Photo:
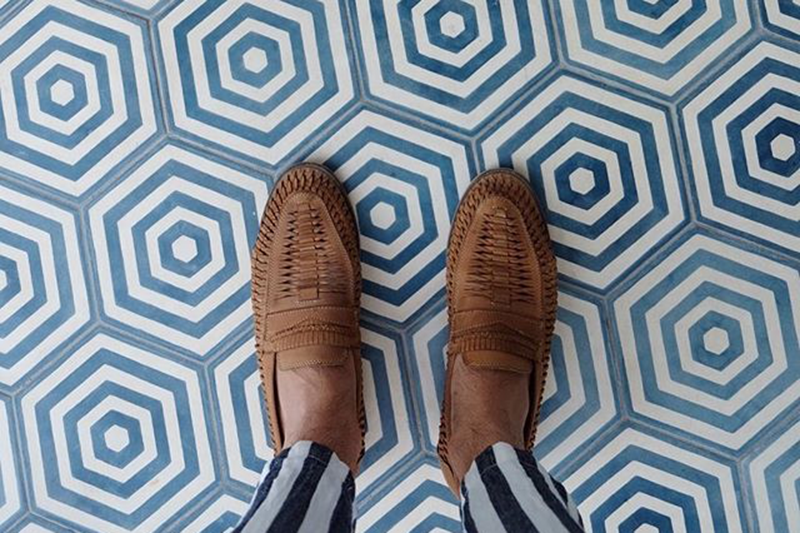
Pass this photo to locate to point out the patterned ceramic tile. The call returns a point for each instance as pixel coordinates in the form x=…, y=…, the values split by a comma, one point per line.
x=783, y=16
x=172, y=245
x=774, y=473
x=708, y=337
x=636, y=482
x=453, y=61
x=10, y=495
x=139, y=140
x=743, y=136
x=604, y=166
x=42, y=285
x=258, y=78
x=661, y=45
x=419, y=501
x=78, y=99
x=117, y=437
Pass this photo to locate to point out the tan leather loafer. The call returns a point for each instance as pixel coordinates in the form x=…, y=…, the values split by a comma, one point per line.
x=501, y=292
x=306, y=284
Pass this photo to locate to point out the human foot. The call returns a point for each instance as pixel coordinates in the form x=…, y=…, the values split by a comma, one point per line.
x=306, y=296
x=501, y=290
x=320, y=404
x=488, y=406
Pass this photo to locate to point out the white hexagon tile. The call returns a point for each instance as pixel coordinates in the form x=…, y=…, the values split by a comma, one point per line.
x=139, y=140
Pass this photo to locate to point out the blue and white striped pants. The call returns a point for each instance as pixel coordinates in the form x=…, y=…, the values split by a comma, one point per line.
x=308, y=489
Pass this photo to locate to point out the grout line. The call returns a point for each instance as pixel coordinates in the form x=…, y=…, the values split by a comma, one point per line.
x=120, y=9
x=555, y=31
x=769, y=250
x=160, y=80
x=682, y=155
x=747, y=501
x=35, y=514
x=756, y=15
x=509, y=108
x=617, y=361
x=40, y=191
x=417, y=403
x=353, y=46
x=21, y=454
x=419, y=121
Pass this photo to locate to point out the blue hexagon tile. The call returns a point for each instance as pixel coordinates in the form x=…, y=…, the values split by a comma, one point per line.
x=743, y=138
x=782, y=16
x=117, y=436
x=605, y=168
x=635, y=481
x=659, y=45
x=708, y=337
x=139, y=141
x=455, y=62
x=258, y=78
x=78, y=94
x=43, y=287
x=172, y=243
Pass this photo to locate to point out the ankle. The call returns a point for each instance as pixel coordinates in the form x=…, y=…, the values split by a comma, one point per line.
x=488, y=406
x=319, y=405
x=468, y=442
x=334, y=437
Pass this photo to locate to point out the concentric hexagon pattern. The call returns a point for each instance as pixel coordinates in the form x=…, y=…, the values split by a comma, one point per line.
x=743, y=134
x=659, y=44
x=139, y=141
x=707, y=339
x=118, y=437
x=78, y=98
x=258, y=77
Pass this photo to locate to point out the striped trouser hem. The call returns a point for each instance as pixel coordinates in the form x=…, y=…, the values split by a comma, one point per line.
x=506, y=489
x=306, y=488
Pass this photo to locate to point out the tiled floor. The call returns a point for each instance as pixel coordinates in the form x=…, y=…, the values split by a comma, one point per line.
x=139, y=141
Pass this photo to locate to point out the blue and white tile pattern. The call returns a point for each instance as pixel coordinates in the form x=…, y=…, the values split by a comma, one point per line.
x=139, y=140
